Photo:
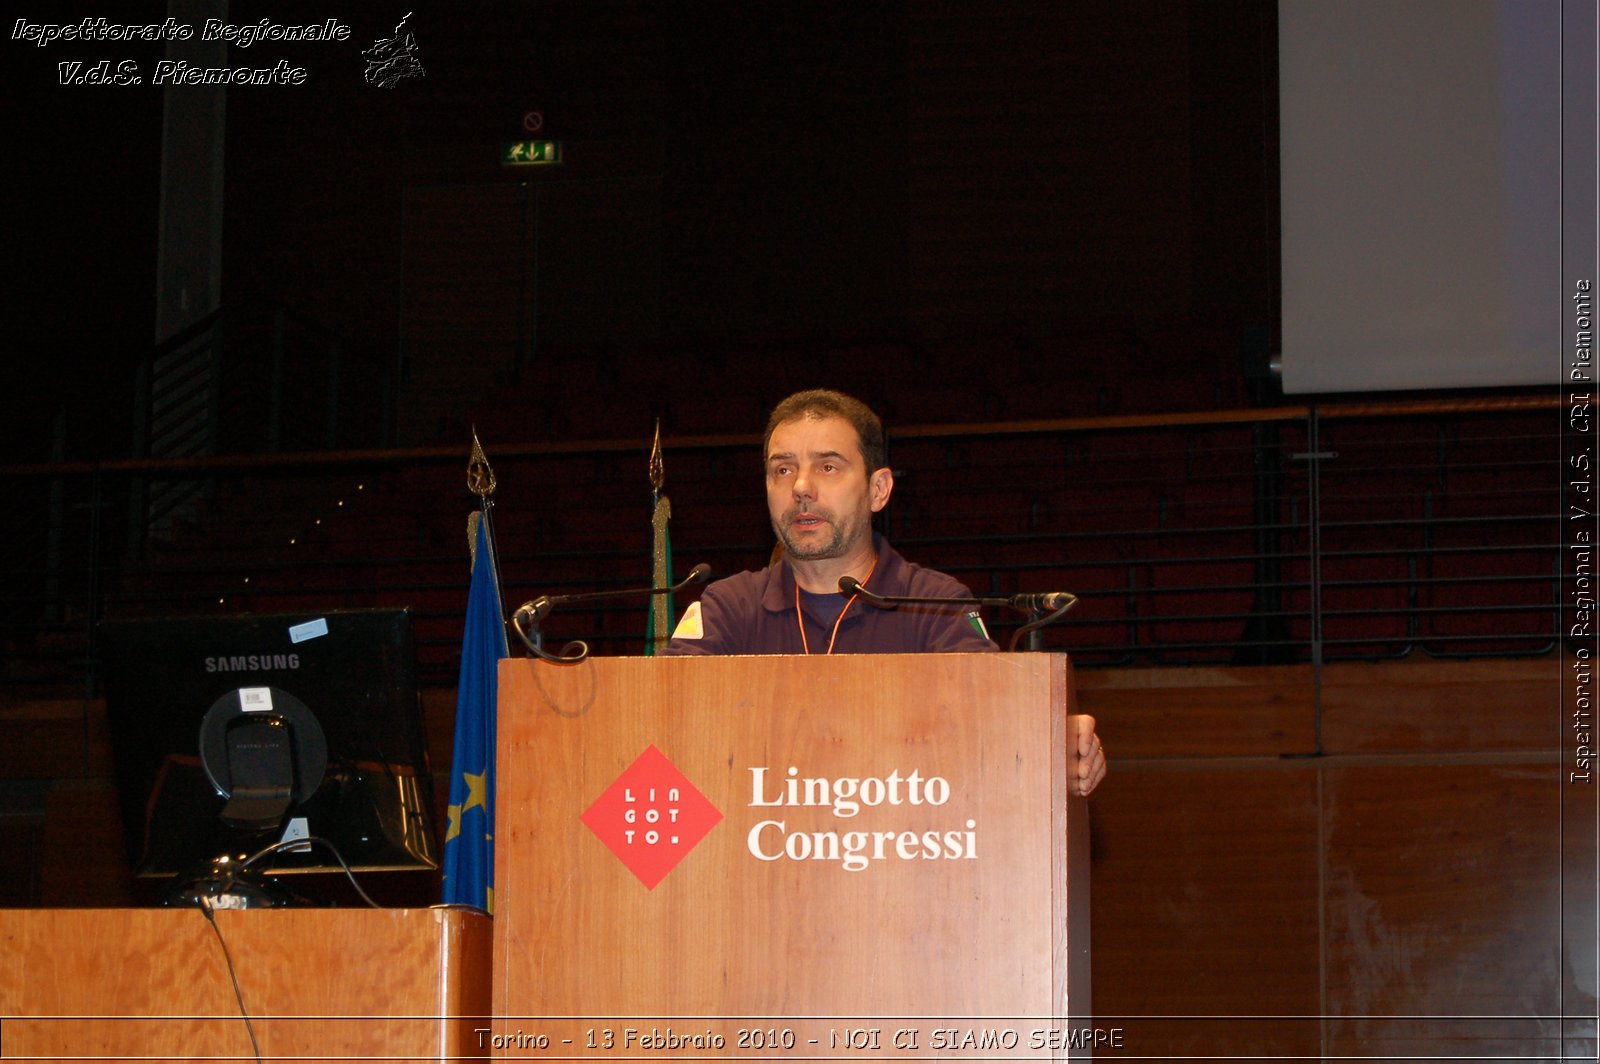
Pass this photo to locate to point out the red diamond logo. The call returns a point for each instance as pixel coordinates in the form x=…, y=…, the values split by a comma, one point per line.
x=651, y=817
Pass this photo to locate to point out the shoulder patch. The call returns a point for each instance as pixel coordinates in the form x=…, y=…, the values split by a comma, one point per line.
x=690, y=627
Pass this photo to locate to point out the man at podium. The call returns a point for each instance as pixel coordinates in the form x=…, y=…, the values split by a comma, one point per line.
x=827, y=473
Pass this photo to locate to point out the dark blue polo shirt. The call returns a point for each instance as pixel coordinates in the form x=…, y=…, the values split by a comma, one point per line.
x=754, y=613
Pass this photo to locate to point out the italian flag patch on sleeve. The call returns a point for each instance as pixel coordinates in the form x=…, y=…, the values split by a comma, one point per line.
x=972, y=619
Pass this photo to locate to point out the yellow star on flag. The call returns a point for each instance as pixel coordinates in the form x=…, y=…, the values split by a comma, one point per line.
x=477, y=790
x=454, y=829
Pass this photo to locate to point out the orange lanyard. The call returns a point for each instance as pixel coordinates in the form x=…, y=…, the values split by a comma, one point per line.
x=837, y=621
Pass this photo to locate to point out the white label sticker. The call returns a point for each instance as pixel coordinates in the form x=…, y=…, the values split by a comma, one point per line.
x=255, y=699
x=297, y=828
x=309, y=630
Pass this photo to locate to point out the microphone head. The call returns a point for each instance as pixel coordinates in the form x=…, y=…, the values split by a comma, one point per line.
x=849, y=585
x=698, y=573
x=534, y=611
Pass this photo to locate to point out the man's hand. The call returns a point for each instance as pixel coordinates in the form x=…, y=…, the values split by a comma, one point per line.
x=1091, y=755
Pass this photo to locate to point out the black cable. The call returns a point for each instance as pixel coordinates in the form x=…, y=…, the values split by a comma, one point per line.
x=306, y=841
x=227, y=955
x=572, y=654
x=1038, y=623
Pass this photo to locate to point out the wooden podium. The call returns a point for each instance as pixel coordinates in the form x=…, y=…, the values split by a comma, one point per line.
x=318, y=984
x=891, y=863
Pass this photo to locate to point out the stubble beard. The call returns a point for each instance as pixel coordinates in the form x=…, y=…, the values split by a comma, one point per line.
x=834, y=547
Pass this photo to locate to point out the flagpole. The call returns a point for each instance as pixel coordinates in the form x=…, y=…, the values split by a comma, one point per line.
x=468, y=874
x=659, y=630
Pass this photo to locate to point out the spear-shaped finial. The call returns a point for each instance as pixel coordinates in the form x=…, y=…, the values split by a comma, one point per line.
x=660, y=626
x=481, y=482
x=480, y=477
x=658, y=469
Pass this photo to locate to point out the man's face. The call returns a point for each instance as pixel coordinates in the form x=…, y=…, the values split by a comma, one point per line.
x=820, y=493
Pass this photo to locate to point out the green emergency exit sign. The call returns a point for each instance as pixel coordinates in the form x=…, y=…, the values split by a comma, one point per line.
x=530, y=153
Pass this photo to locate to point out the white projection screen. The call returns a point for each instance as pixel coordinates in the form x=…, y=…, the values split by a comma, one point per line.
x=1421, y=191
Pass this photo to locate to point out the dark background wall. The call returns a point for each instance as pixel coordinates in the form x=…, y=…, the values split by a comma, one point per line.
x=737, y=178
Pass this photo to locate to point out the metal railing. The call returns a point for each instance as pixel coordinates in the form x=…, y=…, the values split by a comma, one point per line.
x=1271, y=536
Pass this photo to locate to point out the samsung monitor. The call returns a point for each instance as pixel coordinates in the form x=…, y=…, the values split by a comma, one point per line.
x=232, y=733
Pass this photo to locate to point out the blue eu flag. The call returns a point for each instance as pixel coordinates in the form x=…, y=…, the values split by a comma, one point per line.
x=469, y=838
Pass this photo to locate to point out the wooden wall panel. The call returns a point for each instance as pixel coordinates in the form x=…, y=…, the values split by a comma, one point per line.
x=1201, y=712
x=1443, y=900
x=1205, y=904
x=1438, y=706
x=1580, y=851
x=1431, y=829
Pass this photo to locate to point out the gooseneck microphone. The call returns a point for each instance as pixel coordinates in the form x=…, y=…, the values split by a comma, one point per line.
x=1047, y=607
x=1027, y=603
x=528, y=615
x=1043, y=600
x=537, y=609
